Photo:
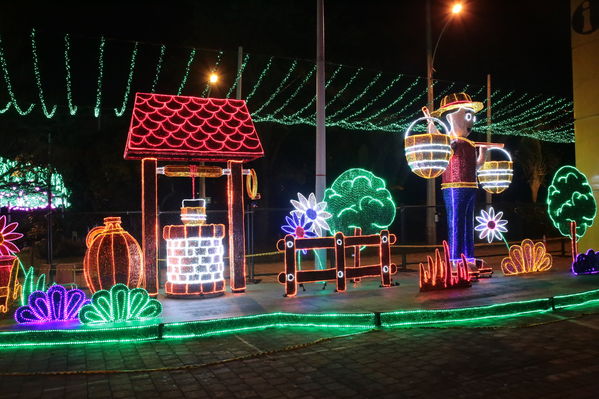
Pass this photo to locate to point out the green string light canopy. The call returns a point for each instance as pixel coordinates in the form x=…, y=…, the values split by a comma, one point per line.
x=278, y=90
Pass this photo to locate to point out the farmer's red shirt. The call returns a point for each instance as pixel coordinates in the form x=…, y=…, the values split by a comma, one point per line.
x=461, y=171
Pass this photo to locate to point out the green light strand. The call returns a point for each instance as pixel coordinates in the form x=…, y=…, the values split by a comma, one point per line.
x=9, y=85
x=343, y=89
x=374, y=99
x=129, y=81
x=313, y=99
x=6, y=108
x=158, y=68
x=278, y=90
x=392, y=103
x=246, y=59
x=67, y=66
x=218, y=59
x=294, y=94
x=358, y=97
x=518, y=104
x=192, y=54
x=38, y=78
x=260, y=78
x=97, y=108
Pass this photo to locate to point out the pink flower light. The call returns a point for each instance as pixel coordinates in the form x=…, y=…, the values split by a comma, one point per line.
x=7, y=235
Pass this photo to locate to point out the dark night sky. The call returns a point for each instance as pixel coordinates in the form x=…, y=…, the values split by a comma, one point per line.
x=524, y=44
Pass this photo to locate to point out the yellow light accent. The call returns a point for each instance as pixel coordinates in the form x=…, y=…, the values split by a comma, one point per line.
x=457, y=8
x=431, y=163
x=529, y=257
x=459, y=184
x=213, y=78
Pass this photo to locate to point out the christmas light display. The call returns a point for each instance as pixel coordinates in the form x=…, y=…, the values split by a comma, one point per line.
x=194, y=253
x=587, y=263
x=279, y=88
x=313, y=211
x=359, y=199
x=495, y=176
x=195, y=130
x=158, y=68
x=113, y=256
x=529, y=257
x=118, y=304
x=191, y=128
x=67, y=67
x=292, y=277
x=31, y=283
x=57, y=304
x=389, y=110
x=438, y=272
x=9, y=266
x=491, y=225
x=9, y=88
x=246, y=59
x=428, y=154
x=260, y=79
x=7, y=235
x=192, y=54
x=215, y=327
x=38, y=78
x=570, y=204
x=120, y=112
x=9, y=283
x=23, y=186
x=97, y=108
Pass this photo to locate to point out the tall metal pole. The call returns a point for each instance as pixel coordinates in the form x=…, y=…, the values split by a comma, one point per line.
x=431, y=198
x=488, y=196
x=321, y=138
x=240, y=80
x=49, y=235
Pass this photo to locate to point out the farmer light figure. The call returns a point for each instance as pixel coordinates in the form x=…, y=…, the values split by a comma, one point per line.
x=459, y=179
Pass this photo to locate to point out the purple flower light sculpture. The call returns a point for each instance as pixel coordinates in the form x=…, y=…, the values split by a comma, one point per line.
x=57, y=304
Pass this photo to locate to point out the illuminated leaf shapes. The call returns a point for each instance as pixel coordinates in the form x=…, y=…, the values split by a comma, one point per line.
x=120, y=303
x=57, y=304
x=586, y=263
x=529, y=257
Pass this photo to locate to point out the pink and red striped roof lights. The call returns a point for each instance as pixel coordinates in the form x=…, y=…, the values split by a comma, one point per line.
x=169, y=127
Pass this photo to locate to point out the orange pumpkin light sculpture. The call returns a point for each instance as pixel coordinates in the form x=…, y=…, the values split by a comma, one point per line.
x=113, y=256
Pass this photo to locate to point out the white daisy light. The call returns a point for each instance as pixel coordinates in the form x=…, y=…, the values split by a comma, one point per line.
x=314, y=211
x=491, y=225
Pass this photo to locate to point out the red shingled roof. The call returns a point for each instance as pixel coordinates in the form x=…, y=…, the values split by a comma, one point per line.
x=170, y=127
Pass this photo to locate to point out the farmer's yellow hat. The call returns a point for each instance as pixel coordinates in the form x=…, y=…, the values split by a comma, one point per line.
x=454, y=101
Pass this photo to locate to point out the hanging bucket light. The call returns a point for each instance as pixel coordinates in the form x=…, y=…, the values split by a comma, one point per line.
x=496, y=176
x=428, y=154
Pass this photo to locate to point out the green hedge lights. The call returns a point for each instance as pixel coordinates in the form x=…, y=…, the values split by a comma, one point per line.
x=137, y=331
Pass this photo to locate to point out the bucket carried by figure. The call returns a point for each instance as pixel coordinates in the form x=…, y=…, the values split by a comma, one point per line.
x=428, y=154
x=495, y=176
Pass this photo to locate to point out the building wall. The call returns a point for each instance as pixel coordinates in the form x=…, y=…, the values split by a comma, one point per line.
x=585, y=76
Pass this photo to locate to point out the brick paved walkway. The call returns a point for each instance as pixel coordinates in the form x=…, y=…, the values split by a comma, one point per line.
x=555, y=360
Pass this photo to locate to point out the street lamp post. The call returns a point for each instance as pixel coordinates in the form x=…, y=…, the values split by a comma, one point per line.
x=431, y=197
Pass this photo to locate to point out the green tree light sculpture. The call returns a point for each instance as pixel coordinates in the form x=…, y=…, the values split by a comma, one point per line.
x=570, y=204
x=359, y=199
